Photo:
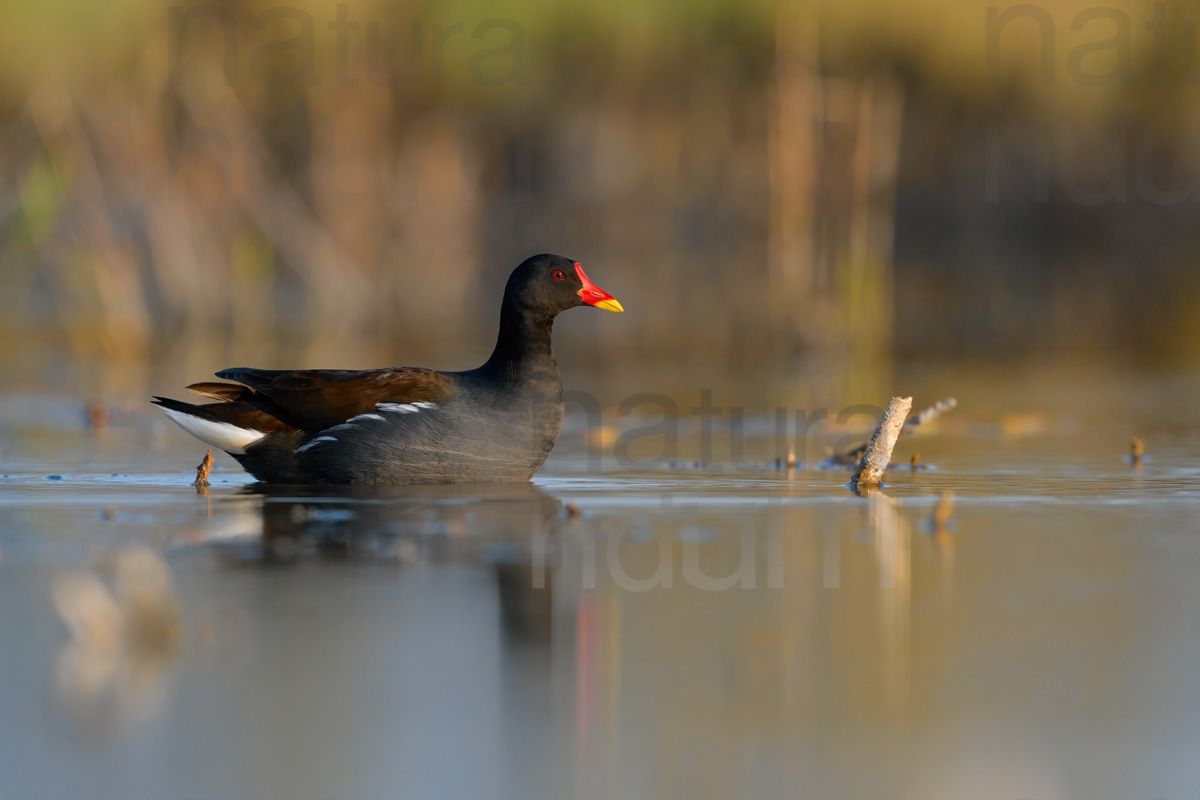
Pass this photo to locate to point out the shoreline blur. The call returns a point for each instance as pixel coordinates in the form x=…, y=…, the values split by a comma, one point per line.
x=808, y=190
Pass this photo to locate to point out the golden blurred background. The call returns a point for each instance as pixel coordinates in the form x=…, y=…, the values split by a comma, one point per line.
x=807, y=190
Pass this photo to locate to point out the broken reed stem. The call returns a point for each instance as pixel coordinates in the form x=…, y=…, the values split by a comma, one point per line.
x=931, y=413
x=202, y=470
x=879, y=450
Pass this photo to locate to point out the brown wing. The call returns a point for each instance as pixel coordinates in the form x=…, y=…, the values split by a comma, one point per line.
x=225, y=392
x=315, y=399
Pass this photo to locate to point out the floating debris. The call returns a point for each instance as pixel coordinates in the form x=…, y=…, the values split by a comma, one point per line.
x=848, y=458
x=787, y=463
x=202, y=470
x=930, y=414
x=54, y=477
x=879, y=450
x=572, y=510
x=1137, y=451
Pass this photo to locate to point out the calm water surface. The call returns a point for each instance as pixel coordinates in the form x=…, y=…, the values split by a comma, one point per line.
x=687, y=632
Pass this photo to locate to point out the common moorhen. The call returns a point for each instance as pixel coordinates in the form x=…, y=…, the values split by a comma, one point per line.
x=406, y=425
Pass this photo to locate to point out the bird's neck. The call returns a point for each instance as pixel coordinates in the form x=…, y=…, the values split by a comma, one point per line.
x=523, y=349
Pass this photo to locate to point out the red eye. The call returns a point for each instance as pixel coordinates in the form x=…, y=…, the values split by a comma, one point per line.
x=558, y=275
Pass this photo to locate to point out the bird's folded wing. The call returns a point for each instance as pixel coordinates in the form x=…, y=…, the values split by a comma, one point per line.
x=315, y=399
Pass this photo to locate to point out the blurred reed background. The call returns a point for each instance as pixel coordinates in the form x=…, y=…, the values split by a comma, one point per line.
x=807, y=191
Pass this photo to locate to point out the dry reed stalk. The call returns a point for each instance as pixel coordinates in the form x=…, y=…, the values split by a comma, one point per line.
x=930, y=414
x=105, y=264
x=794, y=158
x=202, y=470
x=1137, y=451
x=333, y=282
x=875, y=107
x=879, y=450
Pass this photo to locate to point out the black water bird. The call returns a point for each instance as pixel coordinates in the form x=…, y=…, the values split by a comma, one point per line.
x=396, y=425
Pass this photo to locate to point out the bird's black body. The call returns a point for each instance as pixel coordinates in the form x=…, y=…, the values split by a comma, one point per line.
x=496, y=423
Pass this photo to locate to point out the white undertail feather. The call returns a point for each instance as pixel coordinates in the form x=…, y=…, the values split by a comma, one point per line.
x=224, y=435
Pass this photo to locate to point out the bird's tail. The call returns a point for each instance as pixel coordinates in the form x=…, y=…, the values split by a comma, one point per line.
x=223, y=425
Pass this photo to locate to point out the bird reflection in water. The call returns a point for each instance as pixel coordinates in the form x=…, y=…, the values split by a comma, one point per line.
x=504, y=528
x=128, y=626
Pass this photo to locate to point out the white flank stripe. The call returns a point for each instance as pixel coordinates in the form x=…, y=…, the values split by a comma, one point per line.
x=224, y=435
x=315, y=442
x=400, y=408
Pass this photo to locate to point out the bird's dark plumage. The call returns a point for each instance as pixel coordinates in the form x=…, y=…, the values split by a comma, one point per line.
x=401, y=424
